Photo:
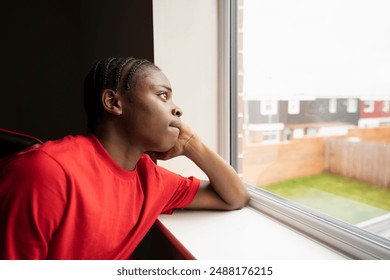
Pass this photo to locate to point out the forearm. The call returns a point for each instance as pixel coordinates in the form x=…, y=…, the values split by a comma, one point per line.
x=223, y=178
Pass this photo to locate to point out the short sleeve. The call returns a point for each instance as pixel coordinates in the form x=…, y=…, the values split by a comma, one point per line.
x=166, y=190
x=32, y=203
x=182, y=195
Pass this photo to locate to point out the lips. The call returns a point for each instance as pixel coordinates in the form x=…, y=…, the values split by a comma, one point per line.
x=176, y=124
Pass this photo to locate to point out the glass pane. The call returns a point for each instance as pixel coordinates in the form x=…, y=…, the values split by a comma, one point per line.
x=313, y=105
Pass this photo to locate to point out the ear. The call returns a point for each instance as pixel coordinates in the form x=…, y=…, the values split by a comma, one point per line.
x=111, y=102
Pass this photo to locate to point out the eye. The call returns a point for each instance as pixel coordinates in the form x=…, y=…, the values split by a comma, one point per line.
x=163, y=95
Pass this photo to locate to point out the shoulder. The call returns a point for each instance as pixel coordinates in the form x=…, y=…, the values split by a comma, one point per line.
x=71, y=151
x=39, y=164
x=68, y=144
x=33, y=178
x=34, y=165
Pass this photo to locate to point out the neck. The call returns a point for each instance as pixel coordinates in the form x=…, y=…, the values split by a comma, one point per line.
x=118, y=148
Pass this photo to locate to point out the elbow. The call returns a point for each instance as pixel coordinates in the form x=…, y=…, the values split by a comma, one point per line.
x=241, y=201
x=244, y=200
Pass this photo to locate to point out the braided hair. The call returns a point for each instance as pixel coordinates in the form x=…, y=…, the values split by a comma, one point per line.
x=115, y=73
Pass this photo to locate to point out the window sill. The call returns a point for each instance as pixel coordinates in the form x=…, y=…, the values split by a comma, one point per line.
x=242, y=234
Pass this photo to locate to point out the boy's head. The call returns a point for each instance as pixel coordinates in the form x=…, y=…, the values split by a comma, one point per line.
x=119, y=74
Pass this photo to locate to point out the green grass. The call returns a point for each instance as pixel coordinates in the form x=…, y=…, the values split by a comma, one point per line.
x=341, y=197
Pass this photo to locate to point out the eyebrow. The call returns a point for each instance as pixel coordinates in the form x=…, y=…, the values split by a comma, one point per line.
x=166, y=87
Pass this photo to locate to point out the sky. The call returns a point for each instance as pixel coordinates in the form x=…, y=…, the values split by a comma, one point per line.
x=304, y=49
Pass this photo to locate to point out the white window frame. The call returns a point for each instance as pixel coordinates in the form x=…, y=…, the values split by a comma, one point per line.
x=386, y=106
x=294, y=107
x=369, y=106
x=352, y=105
x=268, y=107
x=333, y=105
x=271, y=136
x=344, y=238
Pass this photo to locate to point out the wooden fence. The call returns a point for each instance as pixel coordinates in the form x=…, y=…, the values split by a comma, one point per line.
x=267, y=164
x=365, y=161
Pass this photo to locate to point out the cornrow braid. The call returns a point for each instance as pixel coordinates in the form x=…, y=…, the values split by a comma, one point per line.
x=106, y=72
x=94, y=72
x=120, y=69
x=132, y=71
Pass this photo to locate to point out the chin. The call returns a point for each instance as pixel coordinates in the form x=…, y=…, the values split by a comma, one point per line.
x=168, y=145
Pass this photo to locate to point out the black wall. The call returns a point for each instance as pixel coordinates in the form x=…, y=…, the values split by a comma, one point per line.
x=317, y=111
x=314, y=111
x=49, y=46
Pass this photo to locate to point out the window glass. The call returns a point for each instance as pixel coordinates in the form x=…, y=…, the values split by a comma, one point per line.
x=293, y=107
x=313, y=99
x=332, y=105
x=268, y=107
x=352, y=105
x=369, y=106
x=386, y=106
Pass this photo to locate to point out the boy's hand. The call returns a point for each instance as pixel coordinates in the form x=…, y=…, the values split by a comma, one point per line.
x=179, y=148
x=224, y=190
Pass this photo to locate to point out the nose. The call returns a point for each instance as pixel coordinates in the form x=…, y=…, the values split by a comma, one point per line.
x=177, y=112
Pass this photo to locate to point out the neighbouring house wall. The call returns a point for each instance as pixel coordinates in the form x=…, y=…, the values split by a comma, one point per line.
x=376, y=113
x=310, y=111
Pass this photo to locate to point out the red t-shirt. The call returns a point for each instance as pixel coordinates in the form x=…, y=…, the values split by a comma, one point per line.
x=69, y=199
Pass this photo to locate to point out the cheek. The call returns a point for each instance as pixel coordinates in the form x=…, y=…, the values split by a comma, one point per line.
x=151, y=106
x=151, y=115
x=158, y=114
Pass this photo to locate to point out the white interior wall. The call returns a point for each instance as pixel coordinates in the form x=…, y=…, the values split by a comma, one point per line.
x=185, y=46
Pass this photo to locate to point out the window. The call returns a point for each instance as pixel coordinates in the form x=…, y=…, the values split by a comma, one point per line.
x=268, y=107
x=386, y=106
x=369, y=106
x=332, y=106
x=352, y=105
x=271, y=136
x=315, y=51
x=293, y=107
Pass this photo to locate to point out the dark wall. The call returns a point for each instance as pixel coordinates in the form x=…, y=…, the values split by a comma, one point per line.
x=315, y=111
x=49, y=46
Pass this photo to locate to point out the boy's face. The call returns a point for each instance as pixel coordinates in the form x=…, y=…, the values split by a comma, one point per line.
x=151, y=119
